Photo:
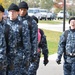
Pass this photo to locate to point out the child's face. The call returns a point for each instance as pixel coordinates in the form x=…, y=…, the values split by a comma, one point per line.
x=13, y=14
x=72, y=24
x=1, y=15
x=22, y=11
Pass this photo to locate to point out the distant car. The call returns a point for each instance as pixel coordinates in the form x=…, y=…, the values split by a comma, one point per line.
x=34, y=12
x=43, y=13
x=51, y=16
x=60, y=15
x=54, y=16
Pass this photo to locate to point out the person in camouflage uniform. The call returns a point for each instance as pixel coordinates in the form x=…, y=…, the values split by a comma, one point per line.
x=3, y=59
x=66, y=47
x=23, y=15
x=19, y=51
x=3, y=42
x=42, y=47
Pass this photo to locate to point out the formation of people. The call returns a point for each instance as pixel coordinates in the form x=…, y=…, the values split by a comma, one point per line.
x=20, y=50
x=21, y=43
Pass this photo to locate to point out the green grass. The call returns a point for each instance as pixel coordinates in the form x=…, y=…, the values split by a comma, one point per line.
x=52, y=40
x=51, y=21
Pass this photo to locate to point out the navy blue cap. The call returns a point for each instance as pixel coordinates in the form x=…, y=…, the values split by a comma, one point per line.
x=13, y=7
x=1, y=8
x=23, y=4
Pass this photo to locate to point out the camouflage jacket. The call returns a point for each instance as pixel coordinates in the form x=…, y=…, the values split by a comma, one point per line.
x=43, y=44
x=33, y=29
x=3, y=57
x=19, y=45
x=67, y=46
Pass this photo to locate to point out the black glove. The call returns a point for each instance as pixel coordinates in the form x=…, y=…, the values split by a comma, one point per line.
x=58, y=61
x=1, y=66
x=45, y=62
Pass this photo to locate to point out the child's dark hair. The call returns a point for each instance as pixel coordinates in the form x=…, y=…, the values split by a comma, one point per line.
x=72, y=18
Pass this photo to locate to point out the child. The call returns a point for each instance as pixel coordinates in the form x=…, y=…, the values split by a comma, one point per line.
x=42, y=46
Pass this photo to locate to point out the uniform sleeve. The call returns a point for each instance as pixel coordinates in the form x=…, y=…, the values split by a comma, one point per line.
x=11, y=46
x=61, y=46
x=26, y=42
x=3, y=58
x=44, y=45
x=34, y=39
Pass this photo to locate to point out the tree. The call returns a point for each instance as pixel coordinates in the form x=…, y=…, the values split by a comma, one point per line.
x=1, y=1
x=33, y=3
x=47, y=4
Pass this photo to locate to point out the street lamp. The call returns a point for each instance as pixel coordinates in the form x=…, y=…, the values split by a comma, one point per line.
x=20, y=0
x=34, y=5
x=64, y=15
x=40, y=3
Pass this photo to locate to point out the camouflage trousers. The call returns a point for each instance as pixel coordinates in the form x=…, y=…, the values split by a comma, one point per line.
x=33, y=67
x=2, y=72
x=69, y=68
x=18, y=71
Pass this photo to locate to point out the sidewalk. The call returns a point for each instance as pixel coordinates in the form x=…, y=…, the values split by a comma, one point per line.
x=58, y=27
x=52, y=67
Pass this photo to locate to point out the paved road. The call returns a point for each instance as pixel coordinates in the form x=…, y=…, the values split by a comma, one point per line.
x=52, y=67
x=58, y=27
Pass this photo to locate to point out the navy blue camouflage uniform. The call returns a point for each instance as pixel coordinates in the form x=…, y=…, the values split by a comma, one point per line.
x=3, y=58
x=33, y=37
x=32, y=26
x=66, y=47
x=19, y=48
x=42, y=47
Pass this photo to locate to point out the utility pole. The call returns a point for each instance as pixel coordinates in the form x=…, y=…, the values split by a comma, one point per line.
x=20, y=0
x=40, y=3
x=64, y=15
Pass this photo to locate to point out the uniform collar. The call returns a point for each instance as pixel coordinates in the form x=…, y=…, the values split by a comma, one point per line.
x=73, y=30
x=14, y=20
x=1, y=21
x=24, y=16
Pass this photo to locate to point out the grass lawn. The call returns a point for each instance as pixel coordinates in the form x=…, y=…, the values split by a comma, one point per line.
x=51, y=21
x=52, y=40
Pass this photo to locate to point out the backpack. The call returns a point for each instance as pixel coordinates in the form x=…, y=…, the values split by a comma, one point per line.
x=66, y=34
x=6, y=34
x=39, y=40
x=39, y=36
x=29, y=19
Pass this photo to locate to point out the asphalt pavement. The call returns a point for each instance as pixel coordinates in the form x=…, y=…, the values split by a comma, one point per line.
x=52, y=68
x=53, y=27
